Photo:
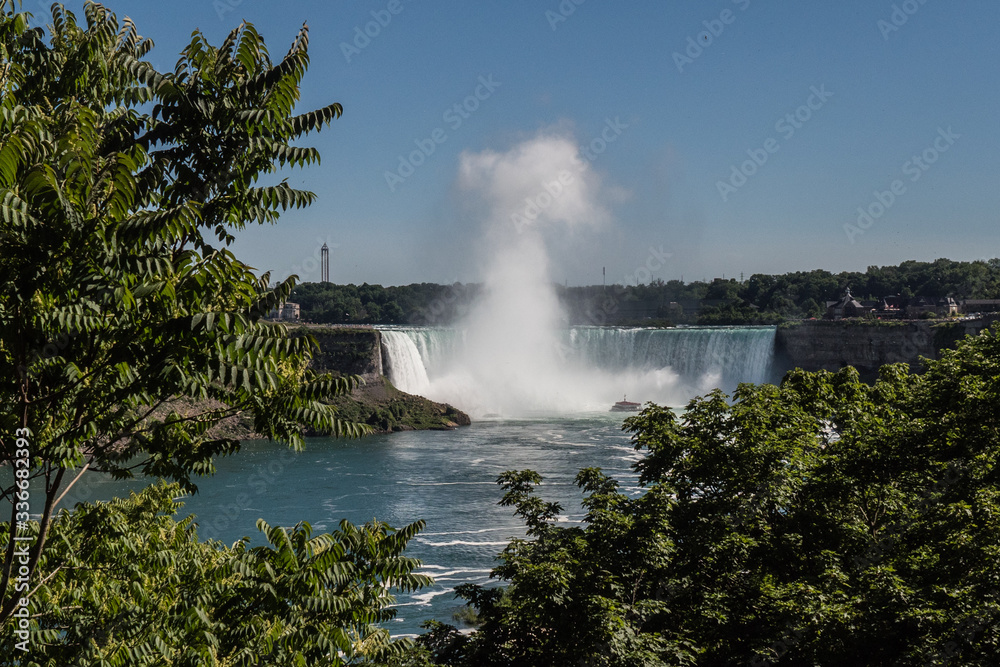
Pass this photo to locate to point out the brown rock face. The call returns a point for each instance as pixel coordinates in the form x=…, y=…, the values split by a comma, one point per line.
x=832, y=345
x=358, y=351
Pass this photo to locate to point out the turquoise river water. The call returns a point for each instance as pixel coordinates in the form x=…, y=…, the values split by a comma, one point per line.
x=447, y=478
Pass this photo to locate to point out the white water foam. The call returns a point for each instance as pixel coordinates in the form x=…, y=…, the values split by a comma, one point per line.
x=405, y=366
x=597, y=367
x=512, y=355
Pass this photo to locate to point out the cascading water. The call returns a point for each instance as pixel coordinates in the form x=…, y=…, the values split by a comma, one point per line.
x=596, y=366
x=405, y=365
x=434, y=347
x=510, y=353
x=735, y=354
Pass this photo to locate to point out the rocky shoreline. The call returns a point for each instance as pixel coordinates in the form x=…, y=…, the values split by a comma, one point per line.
x=389, y=410
x=376, y=402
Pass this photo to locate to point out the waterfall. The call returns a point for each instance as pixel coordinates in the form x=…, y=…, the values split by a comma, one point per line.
x=404, y=364
x=596, y=365
x=737, y=354
x=435, y=347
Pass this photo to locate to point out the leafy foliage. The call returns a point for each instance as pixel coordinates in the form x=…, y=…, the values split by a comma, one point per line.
x=126, y=583
x=822, y=522
x=120, y=187
x=423, y=303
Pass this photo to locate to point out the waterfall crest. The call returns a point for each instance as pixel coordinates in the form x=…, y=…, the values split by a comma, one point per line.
x=737, y=354
x=596, y=365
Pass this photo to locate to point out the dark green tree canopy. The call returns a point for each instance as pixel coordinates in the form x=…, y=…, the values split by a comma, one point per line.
x=822, y=522
x=128, y=584
x=120, y=187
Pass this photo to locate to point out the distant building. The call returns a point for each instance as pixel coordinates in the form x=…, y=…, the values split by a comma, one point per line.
x=941, y=307
x=289, y=312
x=846, y=306
x=948, y=306
x=981, y=306
x=891, y=307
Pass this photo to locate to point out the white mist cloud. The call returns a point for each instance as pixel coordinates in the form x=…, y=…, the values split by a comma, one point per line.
x=540, y=182
x=527, y=198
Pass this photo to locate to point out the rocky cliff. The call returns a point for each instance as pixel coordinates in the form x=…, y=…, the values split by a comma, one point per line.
x=866, y=345
x=358, y=351
x=347, y=350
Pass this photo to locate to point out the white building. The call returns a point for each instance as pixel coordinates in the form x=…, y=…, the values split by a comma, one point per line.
x=289, y=312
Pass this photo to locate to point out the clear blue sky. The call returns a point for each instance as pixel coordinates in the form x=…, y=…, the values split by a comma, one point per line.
x=895, y=92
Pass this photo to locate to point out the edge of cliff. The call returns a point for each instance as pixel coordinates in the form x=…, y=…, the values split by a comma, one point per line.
x=867, y=345
x=376, y=402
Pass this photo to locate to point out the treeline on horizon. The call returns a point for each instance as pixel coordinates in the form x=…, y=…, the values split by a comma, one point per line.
x=760, y=299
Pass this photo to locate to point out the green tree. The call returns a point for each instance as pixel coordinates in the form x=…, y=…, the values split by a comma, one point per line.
x=126, y=583
x=812, y=309
x=120, y=188
x=720, y=289
x=820, y=522
x=392, y=313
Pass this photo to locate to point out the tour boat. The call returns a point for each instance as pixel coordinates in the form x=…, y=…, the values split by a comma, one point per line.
x=625, y=406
